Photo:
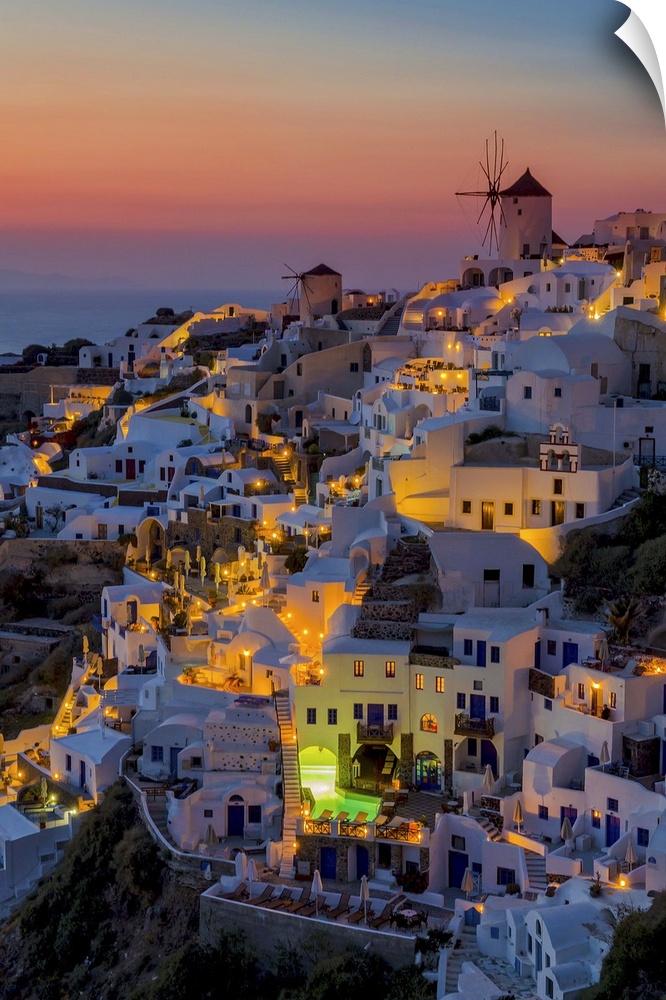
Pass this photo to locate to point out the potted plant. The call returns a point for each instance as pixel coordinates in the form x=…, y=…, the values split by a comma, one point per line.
x=595, y=887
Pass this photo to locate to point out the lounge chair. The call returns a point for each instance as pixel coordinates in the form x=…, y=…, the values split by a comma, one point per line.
x=381, y=819
x=241, y=891
x=326, y=814
x=319, y=906
x=341, y=817
x=358, y=915
x=265, y=896
x=300, y=902
x=284, y=899
x=360, y=817
x=384, y=917
x=342, y=907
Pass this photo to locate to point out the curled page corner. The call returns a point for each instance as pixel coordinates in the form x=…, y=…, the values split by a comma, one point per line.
x=643, y=32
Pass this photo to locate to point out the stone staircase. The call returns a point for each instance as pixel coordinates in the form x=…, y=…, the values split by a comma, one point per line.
x=490, y=828
x=468, y=951
x=361, y=589
x=626, y=497
x=64, y=717
x=283, y=465
x=537, y=878
x=157, y=807
x=390, y=326
x=291, y=782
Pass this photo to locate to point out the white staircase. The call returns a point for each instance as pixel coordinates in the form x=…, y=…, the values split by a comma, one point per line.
x=361, y=589
x=291, y=782
x=536, y=872
x=490, y=828
x=468, y=951
x=64, y=716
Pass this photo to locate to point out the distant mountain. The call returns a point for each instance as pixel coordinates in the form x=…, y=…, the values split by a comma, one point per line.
x=22, y=281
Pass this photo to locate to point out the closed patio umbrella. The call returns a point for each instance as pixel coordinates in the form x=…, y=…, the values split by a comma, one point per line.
x=241, y=865
x=488, y=778
x=566, y=830
x=188, y=563
x=630, y=856
x=468, y=801
x=518, y=814
x=603, y=652
x=467, y=883
x=210, y=837
x=217, y=574
x=317, y=889
x=167, y=559
x=365, y=896
x=604, y=754
x=202, y=568
x=252, y=873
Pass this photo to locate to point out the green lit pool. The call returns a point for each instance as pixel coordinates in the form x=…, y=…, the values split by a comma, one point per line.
x=320, y=779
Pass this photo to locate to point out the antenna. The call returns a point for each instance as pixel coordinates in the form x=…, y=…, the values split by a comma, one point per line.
x=492, y=169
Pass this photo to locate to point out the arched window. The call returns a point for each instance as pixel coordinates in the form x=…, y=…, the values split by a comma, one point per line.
x=428, y=724
x=248, y=414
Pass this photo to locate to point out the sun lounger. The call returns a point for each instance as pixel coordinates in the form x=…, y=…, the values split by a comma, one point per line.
x=320, y=906
x=284, y=899
x=360, y=817
x=358, y=915
x=239, y=892
x=342, y=816
x=326, y=814
x=300, y=902
x=383, y=917
x=265, y=896
x=342, y=907
x=381, y=819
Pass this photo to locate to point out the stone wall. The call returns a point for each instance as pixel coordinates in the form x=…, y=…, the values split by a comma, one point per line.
x=541, y=683
x=406, y=760
x=397, y=631
x=267, y=931
x=447, y=768
x=310, y=845
x=61, y=483
x=137, y=498
x=344, y=760
x=228, y=532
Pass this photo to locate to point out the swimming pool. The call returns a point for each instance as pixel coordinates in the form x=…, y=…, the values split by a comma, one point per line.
x=320, y=779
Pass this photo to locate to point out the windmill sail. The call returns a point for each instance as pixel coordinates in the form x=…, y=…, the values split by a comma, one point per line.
x=493, y=166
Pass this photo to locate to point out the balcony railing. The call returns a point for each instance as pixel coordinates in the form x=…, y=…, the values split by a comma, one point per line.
x=465, y=726
x=541, y=683
x=407, y=833
x=374, y=734
x=359, y=830
x=322, y=826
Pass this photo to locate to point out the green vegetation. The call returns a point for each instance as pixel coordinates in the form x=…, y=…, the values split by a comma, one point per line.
x=614, y=573
x=635, y=966
x=296, y=560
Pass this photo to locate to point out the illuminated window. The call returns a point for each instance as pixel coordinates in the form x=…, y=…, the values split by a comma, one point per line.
x=596, y=819
x=390, y=668
x=315, y=597
x=536, y=508
x=466, y=506
x=418, y=682
x=428, y=724
x=359, y=668
x=612, y=700
x=439, y=685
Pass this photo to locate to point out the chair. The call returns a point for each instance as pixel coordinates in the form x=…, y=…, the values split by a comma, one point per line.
x=341, y=817
x=284, y=899
x=266, y=895
x=360, y=817
x=342, y=907
x=241, y=891
x=384, y=917
x=326, y=814
x=358, y=915
x=300, y=902
x=319, y=906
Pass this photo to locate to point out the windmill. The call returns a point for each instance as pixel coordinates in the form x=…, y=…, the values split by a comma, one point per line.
x=493, y=169
x=299, y=290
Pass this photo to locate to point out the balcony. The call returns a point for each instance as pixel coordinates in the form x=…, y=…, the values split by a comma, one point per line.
x=374, y=734
x=406, y=833
x=541, y=683
x=350, y=829
x=465, y=726
x=319, y=826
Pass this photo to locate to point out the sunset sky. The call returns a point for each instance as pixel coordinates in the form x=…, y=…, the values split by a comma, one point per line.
x=203, y=143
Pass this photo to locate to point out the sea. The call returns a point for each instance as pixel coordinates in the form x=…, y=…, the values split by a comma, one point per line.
x=53, y=317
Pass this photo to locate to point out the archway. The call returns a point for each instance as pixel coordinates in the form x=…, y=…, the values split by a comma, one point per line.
x=428, y=771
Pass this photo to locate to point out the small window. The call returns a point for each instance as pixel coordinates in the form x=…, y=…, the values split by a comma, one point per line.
x=508, y=509
x=353, y=367
x=596, y=819
x=548, y=286
x=466, y=506
x=358, y=710
x=580, y=510
x=549, y=987
x=119, y=465
x=208, y=813
x=558, y=487
x=543, y=812
x=494, y=654
x=528, y=576
x=197, y=761
x=439, y=684
x=527, y=392
x=157, y=754
x=311, y=716
x=418, y=682
x=457, y=843
x=494, y=704
x=461, y=700
x=332, y=716
x=611, y=805
x=392, y=713
x=567, y=286
x=315, y=597
x=506, y=876
x=551, y=646
x=612, y=699
x=472, y=747
x=642, y=836
x=478, y=685
x=536, y=508
x=494, y=933
x=581, y=692
x=68, y=762
x=547, y=704
x=530, y=944
x=299, y=368
x=254, y=814
x=359, y=668
x=468, y=647
x=428, y=724
x=390, y=668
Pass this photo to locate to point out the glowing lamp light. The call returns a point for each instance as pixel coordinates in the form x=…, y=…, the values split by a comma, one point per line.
x=623, y=882
x=321, y=672
x=305, y=631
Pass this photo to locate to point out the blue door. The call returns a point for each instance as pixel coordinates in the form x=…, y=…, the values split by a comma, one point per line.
x=428, y=771
x=480, y=653
x=235, y=821
x=82, y=774
x=569, y=653
x=538, y=956
x=570, y=812
x=173, y=760
x=328, y=862
x=375, y=715
x=362, y=861
x=458, y=863
x=488, y=755
x=472, y=917
x=612, y=829
x=537, y=654
x=477, y=706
